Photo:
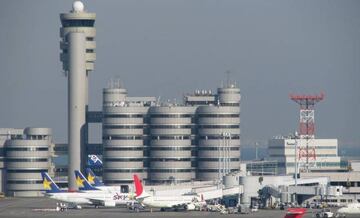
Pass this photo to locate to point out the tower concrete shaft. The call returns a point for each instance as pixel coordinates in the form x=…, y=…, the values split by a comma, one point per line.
x=78, y=56
x=76, y=103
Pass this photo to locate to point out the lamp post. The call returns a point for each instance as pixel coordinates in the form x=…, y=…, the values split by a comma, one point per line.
x=296, y=136
x=227, y=138
x=256, y=150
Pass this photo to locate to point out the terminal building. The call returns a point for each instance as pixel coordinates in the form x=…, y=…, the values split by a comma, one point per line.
x=322, y=154
x=5, y=134
x=27, y=152
x=168, y=142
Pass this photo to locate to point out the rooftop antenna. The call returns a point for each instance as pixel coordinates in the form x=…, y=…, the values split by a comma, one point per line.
x=228, y=78
x=117, y=82
x=111, y=83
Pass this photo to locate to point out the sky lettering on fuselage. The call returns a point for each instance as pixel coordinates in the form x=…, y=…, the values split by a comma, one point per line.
x=118, y=196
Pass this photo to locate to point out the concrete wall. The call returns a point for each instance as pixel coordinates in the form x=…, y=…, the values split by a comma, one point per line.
x=171, y=134
x=213, y=123
x=323, y=154
x=26, y=158
x=124, y=138
x=180, y=142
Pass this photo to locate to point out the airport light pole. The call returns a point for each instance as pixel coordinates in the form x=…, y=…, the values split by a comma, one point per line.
x=219, y=161
x=256, y=150
x=296, y=162
x=226, y=152
x=228, y=144
x=296, y=136
x=224, y=155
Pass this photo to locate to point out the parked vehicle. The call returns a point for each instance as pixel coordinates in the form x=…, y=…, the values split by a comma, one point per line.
x=325, y=213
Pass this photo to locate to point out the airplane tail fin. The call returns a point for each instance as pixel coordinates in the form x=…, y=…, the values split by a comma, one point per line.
x=94, y=161
x=139, y=189
x=82, y=182
x=92, y=178
x=48, y=184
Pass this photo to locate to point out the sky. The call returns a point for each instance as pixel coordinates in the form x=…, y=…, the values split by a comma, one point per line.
x=168, y=48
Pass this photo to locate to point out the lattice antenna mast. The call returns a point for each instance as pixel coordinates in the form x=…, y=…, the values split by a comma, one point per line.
x=307, y=120
x=307, y=113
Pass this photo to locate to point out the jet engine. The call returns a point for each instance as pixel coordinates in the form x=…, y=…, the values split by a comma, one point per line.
x=109, y=203
x=190, y=207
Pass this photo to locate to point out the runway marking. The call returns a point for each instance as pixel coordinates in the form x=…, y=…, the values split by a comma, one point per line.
x=44, y=210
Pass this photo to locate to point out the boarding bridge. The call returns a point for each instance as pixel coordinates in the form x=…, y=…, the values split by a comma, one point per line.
x=219, y=192
x=208, y=192
x=299, y=190
x=272, y=191
x=306, y=190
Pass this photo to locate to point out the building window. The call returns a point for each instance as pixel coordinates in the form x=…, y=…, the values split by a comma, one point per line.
x=170, y=115
x=78, y=23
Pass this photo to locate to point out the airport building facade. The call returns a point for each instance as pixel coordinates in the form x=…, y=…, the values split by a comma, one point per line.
x=124, y=131
x=26, y=154
x=318, y=154
x=5, y=134
x=168, y=142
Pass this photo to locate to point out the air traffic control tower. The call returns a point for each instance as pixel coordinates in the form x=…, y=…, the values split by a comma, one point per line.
x=78, y=55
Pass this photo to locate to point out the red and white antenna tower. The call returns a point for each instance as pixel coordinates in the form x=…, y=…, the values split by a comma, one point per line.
x=307, y=122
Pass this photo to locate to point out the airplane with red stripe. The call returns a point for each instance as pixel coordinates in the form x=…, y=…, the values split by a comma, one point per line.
x=186, y=202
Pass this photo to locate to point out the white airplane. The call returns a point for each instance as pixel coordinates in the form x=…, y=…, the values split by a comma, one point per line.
x=76, y=198
x=96, y=183
x=349, y=209
x=164, y=202
x=119, y=198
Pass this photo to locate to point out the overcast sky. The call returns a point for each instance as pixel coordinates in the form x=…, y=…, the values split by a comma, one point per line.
x=168, y=48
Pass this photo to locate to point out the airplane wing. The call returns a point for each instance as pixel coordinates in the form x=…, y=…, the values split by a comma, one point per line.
x=179, y=204
x=102, y=202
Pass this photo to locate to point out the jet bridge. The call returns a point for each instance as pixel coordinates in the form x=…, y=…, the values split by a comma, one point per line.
x=281, y=187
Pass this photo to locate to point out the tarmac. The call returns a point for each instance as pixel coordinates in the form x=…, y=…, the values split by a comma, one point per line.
x=44, y=207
